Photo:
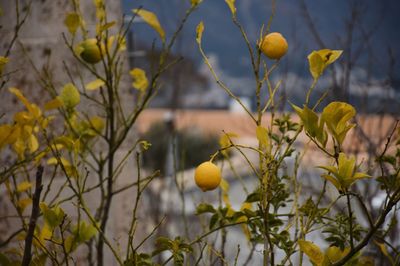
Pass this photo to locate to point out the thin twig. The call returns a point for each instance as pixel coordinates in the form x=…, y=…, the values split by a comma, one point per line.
x=34, y=215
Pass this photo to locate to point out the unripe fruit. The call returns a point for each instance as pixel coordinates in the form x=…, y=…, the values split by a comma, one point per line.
x=90, y=51
x=207, y=176
x=274, y=45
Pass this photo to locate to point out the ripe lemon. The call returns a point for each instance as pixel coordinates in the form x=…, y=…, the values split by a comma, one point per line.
x=274, y=45
x=90, y=51
x=207, y=176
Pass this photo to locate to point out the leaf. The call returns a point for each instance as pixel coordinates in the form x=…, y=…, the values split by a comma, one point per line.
x=151, y=19
x=23, y=203
x=33, y=143
x=225, y=142
x=262, y=136
x=231, y=4
x=53, y=104
x=22, y=98
x=254, y=197
x=313, y=252
x=70, y=96
x=334, y=254
x=7, y=135
x=319, y=60
x=55, y=161
x=86, y=232
x=224, y=185
x=140, y=81
x=3, y=62
x=107, y=26
x=336, y=116
x=195, y=2
x=94, y=85
x=199, y=32
x=312, y=124
x=23, y=186
x=204, y=208
x=72, y=22
x=53, y=217
x=384, y=251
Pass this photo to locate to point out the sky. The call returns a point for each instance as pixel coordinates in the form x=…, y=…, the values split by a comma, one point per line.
x=378, y=20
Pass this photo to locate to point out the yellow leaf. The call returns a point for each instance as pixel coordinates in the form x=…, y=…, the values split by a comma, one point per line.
x=45, y=233
x=384, y=251
x=121, y=43
x=199, y=32
x=3, y=62
x=151, y=19
x=334, y=254
x=224, y=185
x=319, y=60
x=6, y=135
x=55, y=161
x=97, y=123
x=23, y=186
x=140, y=81
x=70, y=96
x=94, y=85
x=313, y=252
x=334, y=181
x=23, y=203
x=22, y=98
x=33, y=143
x=195, y=2
x=72, y=22
x=53, y=104
x=225, y=142
x=262, y=136
x=246, y=231
x=107, y=25
x=231, y=4
x=366, y=261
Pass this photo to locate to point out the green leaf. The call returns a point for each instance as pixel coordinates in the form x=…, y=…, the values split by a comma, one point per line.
x=151, y=19
x=199, y=32
x=214, y=219
x=231, y=4
x=312, y=124
x=72, y=22
x=319, y=60
x=94, y=85
x=53, y=217
x=313, y=252
x=84, y=232
x=70, y=96
x=204, y=208
x=254, y=197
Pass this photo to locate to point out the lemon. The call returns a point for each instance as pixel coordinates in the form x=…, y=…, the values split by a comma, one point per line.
x=90, y=51
x=207, y=176
x=274, y=45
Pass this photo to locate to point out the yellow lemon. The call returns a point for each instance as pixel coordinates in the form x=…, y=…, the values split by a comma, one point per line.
x=207, y=176
x=90, y=51
x=274, y=45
